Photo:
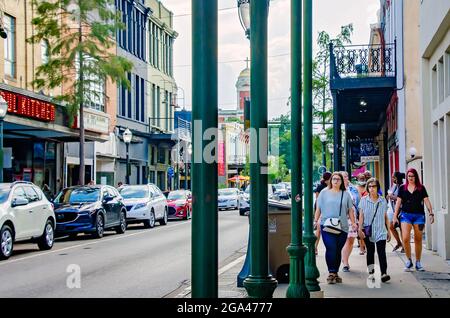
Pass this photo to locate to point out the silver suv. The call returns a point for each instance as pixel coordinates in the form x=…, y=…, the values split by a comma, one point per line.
x=25, y=214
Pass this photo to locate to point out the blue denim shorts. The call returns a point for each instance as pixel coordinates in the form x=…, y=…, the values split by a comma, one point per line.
x=412, y=218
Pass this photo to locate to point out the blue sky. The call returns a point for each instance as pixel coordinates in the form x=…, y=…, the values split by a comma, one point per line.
x=329, y=16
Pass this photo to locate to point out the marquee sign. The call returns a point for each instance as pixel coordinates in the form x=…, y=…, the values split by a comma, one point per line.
x=26, y=106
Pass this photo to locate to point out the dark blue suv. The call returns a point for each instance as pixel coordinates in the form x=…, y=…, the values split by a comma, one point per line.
x=89, y=209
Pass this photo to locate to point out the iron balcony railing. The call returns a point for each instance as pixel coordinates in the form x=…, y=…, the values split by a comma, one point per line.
x=359, y=61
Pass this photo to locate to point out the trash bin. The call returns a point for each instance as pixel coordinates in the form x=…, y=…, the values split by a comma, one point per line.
x=279, y=226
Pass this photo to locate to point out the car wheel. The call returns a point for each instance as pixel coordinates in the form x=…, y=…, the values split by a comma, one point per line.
x=99, y=226
x=123, y=224
x=187, y=214
x=47, y=239
x=151, y=221
x=241, y=212
x=163, y=221
x=7, y=242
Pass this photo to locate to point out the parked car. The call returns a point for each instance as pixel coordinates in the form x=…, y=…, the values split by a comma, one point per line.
x=244, y=204
x=229, y=198
x=25, y=214
x=145, y=204
x=280, y=191
x=89, y=209
x=180, y=204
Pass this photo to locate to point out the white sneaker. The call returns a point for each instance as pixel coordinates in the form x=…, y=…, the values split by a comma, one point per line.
x=409, y=265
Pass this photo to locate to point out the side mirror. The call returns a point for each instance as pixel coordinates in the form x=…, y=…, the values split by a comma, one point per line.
x=19, y=202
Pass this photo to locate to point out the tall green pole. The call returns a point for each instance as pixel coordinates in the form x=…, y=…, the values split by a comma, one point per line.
x=259, y=284
x=297, y=286
x=204, y=175
x=312, y=273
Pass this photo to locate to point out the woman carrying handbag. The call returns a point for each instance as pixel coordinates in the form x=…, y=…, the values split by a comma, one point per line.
x=334, y=205
x=373, y=227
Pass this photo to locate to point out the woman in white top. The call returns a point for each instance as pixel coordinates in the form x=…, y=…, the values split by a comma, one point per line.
x=373, y=212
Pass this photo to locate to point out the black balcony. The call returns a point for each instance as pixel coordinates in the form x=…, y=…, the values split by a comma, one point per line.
x=358, y=66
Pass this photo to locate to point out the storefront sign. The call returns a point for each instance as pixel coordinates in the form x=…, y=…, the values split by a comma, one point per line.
x=221, y=156
x=94, y=122
x=28, y=107
x=370, y=158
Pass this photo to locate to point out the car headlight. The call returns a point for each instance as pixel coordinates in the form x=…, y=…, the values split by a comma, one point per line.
x=140, y=206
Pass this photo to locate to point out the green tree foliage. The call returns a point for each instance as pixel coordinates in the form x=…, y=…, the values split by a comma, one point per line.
x=79, y=34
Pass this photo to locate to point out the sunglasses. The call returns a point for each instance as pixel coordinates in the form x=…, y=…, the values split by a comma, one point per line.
x=372, y=186
x=411, y=176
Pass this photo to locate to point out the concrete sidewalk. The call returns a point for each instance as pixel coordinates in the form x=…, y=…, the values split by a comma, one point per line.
x=433, y=283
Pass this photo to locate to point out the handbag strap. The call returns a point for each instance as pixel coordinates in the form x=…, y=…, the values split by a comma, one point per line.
x=376, y=209
x=340, y=204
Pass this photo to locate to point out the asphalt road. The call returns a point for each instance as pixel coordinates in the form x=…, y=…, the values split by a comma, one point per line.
x=140, y=263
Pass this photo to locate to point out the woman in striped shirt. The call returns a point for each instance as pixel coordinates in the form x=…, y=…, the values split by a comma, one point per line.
x=373, y=212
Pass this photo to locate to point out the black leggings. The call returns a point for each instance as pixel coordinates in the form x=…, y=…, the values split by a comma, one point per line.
x=381, y=251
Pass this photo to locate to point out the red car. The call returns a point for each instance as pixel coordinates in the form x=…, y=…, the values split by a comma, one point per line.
x=180, y=204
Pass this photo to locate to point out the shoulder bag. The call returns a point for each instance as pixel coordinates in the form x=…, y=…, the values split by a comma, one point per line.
x=333, y=225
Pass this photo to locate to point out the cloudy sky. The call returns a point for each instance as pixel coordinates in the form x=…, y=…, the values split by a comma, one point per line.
x=329, y=16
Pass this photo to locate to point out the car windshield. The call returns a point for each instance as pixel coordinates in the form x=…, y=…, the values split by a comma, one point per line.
x=227, y=192
x=279, y=186
x=247, y=190
x=134, y=192
x=78, y=195
x=176, y=196
x=4, y=193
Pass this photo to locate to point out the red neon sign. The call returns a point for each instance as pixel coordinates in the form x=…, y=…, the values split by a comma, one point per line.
x=28, y=107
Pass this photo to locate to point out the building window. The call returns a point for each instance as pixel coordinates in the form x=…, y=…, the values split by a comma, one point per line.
x=93, y=84
x=153, y=104
x=447, y=72
x=44, y=52
x=158, y=107
x=9, y=23
x=123, y=100
x=434, y=92
x=129, y=115
x=441, y=85
x=161, y=155
x=142, y=100
x=137, y=96
x=166, y=106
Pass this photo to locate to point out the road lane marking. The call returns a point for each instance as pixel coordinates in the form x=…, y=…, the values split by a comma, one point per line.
x=91, y=243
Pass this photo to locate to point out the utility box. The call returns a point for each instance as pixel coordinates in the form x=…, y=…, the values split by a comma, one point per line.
x=279, y=226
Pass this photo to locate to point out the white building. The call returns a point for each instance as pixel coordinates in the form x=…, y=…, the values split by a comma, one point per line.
x=435, y=80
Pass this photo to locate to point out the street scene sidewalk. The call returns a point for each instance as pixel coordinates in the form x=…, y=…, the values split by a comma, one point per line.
x=433, y=283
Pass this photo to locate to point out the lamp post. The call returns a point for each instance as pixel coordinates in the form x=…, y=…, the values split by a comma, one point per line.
x=259, y=283
x=204, y=246
x=3, y=111
x=312, y=273
x=127, y=135
x=323, y=140
x=331, y=151
x=244, y=15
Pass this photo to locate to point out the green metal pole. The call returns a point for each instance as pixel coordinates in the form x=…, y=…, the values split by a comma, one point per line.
x=204, y=175
x=312, y=273
x=297, y=286
x=259, y=284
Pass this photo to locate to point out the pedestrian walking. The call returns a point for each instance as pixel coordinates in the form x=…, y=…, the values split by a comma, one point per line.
x=352, y=234
x=361, y=186
x=410, y=201
x=334, y=206
x=119, y=184
x=373, y=227
x=397, y=181
x=324, y=183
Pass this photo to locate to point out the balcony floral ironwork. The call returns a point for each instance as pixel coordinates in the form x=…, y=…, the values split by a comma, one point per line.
x=361, y=61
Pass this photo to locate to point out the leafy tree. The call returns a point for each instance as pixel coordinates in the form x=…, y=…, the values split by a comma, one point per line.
x=80, y=37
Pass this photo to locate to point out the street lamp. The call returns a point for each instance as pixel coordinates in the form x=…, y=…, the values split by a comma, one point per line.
x=127, y=135
x=323, y=140
x=3, y=111
x=244, y=16
x=331, y=151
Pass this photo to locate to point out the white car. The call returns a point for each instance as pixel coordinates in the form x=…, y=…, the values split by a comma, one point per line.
x=229, y=198
x=145, y=204
x=244, y=204
x=25, y=214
